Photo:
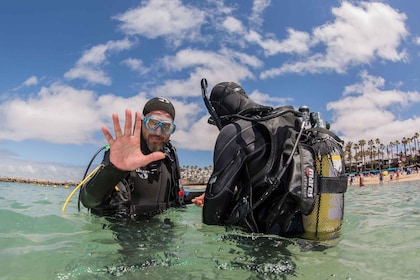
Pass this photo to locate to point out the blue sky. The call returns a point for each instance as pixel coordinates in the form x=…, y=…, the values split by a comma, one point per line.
x=66, y=66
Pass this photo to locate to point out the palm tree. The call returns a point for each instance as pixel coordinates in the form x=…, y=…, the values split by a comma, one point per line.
x=397, y=143
x=347, y=150
x=378, y=144
x=370, y=143
x=416, y=142
x=382, y=148
x=362, y=143
x=356, y=148
x=404, y=141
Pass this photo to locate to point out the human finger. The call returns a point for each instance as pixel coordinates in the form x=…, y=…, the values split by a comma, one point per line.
x=128, y=122
x=197, y=201
x=137, y=124
x=107, y=135
x=117, y=127
x=155, y=156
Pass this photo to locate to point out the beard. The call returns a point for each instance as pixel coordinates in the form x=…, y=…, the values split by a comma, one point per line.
x=155, y=143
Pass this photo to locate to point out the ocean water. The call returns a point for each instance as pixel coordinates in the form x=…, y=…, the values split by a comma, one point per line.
x=380, y=239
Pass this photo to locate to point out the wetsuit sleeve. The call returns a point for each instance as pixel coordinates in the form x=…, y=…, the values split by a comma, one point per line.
x=231, y=150
x=95, y=191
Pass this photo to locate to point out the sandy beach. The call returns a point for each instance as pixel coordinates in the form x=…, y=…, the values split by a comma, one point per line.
x=368, y=180
x=374, y=179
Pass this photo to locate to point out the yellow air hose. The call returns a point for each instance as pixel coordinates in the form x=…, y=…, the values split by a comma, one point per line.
x=63, y=209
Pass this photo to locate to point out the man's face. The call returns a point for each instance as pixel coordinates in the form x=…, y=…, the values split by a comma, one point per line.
x=156, y=139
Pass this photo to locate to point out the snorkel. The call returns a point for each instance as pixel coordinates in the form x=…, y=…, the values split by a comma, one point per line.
x=214, y=118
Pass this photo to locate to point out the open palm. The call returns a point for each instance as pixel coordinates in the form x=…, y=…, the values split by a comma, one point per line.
x=125, y=152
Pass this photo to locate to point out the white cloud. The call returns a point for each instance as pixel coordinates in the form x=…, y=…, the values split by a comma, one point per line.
x=233, y=25
x=258, y=7
x=31, y=81
x=266, y=99
x=198, y=136
x=136, y=65
x=66, y=115
x=297, y=42
x=225, y=65
x=367, y=111
x=88, y=66
x=162, y=18
x=359, y=35
x=58, y=114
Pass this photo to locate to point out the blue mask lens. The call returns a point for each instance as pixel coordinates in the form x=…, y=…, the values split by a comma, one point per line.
x=152, y=124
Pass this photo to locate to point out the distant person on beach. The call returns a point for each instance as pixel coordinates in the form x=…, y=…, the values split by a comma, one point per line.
x=240, y=191
x=139, y=175
x=361, y=180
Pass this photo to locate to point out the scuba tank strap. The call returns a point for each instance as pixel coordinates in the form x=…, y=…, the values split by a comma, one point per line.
x=333, y=184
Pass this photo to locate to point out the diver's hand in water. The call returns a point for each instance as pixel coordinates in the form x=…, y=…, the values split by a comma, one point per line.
x=125, y=152
x=199, y=200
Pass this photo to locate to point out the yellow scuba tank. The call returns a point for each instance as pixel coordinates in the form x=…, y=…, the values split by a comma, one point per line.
x=325, y=220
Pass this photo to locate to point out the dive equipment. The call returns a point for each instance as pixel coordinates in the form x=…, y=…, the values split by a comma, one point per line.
x=85, y=178
x=324, y=222
x=214, y=118
x=168, y=127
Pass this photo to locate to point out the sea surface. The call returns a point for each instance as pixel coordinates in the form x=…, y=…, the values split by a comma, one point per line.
x=380, y=239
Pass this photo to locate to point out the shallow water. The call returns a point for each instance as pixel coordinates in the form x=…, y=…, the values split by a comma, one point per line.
x=380, y=239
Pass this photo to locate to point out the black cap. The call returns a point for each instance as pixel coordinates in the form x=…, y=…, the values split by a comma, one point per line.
x=159, y=104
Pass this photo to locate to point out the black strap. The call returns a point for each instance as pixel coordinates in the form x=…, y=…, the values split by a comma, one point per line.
x=333, y=184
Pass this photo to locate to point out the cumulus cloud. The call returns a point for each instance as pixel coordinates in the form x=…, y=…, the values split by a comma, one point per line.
x=297, y=42
x=57, y=114
x=218, y=66
x=88, y=66
x=266, y=99
x=234, y=25
x=135, y=65
x=367, y=110
x=359, y=34
x=65, y=115
x=199, y=136
x=161, y=18
x=258, y=7
x=31, y=81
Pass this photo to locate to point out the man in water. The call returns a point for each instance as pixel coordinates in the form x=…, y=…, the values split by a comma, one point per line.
x=264, y=177
x=139, y=175
x=241, y=153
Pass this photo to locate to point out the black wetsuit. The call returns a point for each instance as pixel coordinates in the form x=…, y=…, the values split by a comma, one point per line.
x=141, y=193
x=241, y=154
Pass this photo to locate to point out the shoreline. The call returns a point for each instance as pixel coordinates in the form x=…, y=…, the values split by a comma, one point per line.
x=38, y=181
x=374, y=179
x=368, y=180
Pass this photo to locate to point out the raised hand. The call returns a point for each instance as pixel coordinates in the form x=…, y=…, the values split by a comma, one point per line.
x=125, y=153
